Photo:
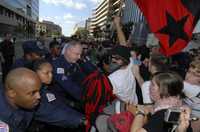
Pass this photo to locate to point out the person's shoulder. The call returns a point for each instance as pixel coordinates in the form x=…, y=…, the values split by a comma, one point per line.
x=190, y=90
x=5, y=111
x=57, y=61
x=18, y=63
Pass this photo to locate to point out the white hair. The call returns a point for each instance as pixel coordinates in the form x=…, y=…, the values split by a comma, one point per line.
x=64, y=48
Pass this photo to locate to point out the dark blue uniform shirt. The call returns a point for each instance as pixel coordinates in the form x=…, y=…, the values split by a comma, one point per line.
x=21, y=62
x=17, y=119
x=53, y=110
x=66, y=76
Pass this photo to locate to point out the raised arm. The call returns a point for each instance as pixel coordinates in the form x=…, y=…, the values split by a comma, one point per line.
x=120, y=33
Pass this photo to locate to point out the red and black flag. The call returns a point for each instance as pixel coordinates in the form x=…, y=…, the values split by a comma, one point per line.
x=172, y=21
x=96, y=95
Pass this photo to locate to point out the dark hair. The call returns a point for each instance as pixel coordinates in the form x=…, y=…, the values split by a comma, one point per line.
x=170, y=84
x=159, y=62
x=53, y=44
x=36, y=65
x=42, y=33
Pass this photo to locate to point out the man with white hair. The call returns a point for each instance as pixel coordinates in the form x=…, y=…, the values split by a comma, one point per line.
x=65, y=70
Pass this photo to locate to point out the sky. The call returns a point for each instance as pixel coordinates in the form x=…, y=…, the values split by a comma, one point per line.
x=66, y=13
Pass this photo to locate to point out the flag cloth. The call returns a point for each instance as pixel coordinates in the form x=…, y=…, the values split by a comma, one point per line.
x=97, y=95
x=172, y=21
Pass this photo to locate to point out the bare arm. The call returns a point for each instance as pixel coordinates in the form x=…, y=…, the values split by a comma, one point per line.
x=136, y=73
x=120, y=33
x=138, y=124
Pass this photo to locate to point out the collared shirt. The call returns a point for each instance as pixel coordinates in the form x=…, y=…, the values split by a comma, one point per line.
x=66, y=75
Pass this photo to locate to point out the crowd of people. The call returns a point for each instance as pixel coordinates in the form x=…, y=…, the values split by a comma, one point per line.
x=98, y=87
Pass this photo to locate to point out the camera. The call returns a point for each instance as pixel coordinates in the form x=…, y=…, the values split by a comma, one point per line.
x=172, y=115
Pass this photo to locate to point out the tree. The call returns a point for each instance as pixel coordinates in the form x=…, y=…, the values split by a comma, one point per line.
x=82, y=33
x=97, y=32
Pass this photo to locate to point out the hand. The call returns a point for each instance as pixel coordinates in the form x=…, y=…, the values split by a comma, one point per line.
x=131, y=108
x=184, y=119
x=134, y=108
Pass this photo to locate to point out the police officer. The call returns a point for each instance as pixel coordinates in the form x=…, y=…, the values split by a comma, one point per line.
x=55, y=50
x=53, y=109
x=33, y=50
x=66, y=71
x=18, y=98
x=21, y=95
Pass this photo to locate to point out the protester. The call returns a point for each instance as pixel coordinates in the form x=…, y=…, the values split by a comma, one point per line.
x=157, y=64
x=122, y=77
x=192, y=91
x=166, y=92
x=8, y=52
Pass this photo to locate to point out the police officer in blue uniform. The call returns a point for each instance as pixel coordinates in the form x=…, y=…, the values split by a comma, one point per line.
x=22, y=100
x=54, y=50
x=67, y=72
x=18, y=99
x=33, y=50
x=53, y=109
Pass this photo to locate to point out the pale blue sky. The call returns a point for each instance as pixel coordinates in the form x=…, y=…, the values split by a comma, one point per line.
x=66, y=13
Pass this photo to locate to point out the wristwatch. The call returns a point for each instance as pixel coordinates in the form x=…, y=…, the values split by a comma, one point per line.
x=140, y=112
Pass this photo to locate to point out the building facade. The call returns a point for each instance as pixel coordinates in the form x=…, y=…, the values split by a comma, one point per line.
x=132, y=16
x=52, y=29
x=131, y=13
x=19, y=17
x=102, y=16
x=79, y=25
x=87, y=24
x=40, y=27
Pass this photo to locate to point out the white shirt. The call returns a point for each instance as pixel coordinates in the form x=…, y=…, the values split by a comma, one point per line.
x=124, y=84
x=191, y=90
x=146, y=92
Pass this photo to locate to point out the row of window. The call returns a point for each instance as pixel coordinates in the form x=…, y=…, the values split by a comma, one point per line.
x=12, y=15
x=31, y=7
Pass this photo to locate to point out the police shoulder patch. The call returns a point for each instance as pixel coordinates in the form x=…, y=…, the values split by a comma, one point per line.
x=60, y=71
x=50, y=97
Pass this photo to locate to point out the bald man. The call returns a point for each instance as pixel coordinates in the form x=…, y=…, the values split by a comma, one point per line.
x=18, y=98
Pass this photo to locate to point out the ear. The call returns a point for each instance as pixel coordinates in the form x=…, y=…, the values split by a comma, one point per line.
x=11, y=93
